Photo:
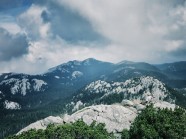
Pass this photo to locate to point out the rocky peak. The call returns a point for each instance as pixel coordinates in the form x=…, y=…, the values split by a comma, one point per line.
x=145, y=88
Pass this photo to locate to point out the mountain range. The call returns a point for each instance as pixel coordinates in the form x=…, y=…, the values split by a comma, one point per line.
x=115, y=104
x=71, y=86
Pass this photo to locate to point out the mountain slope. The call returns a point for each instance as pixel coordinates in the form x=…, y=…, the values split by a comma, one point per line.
x=143, y=90
x=176, y=70
x=61, y=89
x=134, y=95
x=58, y=82
x=126, y=70
x=64, y=80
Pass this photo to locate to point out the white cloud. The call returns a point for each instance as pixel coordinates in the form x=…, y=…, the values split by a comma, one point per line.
x=140, y=27
x=7, y=22
x=151, y=31
x=13, y=28
x=33, y=24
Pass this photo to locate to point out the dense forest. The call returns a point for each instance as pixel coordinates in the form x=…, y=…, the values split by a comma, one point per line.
x=14, y=120
x=154, y=123
x=151, y=123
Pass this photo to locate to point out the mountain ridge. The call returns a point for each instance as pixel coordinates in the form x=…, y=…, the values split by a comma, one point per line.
x=75, y=74
x=54, y=91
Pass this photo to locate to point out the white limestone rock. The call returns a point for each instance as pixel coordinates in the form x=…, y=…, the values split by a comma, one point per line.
x=126, y=102
x=77, y=74
x=139, y=107
x=42, y=124
x=164, y=104
x=77, y=106
x=11, y=105
x=115, y=117
x=147, y=89
x=38, y=84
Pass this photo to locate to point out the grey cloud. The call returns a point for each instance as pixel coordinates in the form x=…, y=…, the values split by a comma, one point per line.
x=68, y=24
x=140, y=27
x=46, y=16
x=12, y=46
x=179, y=52
x=72, y=27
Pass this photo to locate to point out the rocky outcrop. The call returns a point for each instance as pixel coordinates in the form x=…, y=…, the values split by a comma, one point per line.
x=164, y=104
x=145, y=88
x=42, y=124
x=116, y=117
x=138, y=105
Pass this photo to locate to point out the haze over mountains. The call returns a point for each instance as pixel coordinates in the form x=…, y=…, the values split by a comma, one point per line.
x=63, y=80
x=71, y=86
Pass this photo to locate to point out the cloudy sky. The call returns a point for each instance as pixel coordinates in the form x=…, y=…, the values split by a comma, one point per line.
x=38, y=34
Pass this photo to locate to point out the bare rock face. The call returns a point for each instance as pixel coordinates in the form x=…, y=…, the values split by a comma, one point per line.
x=126, y=102
x=146, y=89
x=115, y=117
x=164, y=104
x=42, y=124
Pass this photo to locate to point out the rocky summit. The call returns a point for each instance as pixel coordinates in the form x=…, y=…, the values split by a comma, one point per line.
x=116, y=117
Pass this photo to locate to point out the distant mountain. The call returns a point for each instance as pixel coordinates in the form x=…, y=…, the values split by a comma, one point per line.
x=29, y=91
x=176, y=73
x=18, y=89
x=176, y=70
x=126, y=70
x=76, y=84
x=77, y=73
x=22, y=91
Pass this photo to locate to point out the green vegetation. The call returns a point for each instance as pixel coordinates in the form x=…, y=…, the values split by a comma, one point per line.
x=12, y=121
x=77, y=130
x=112, y=98
x=158, y=124
x=180, y=96
x=151, y=123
